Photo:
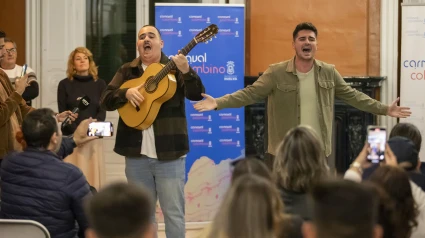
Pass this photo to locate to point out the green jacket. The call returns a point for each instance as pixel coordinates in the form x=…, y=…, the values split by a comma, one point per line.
x=280, y=85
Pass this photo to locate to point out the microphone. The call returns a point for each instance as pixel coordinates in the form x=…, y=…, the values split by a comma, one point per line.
x=83, y=103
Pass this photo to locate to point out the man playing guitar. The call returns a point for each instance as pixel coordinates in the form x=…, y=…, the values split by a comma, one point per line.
x=155, y=157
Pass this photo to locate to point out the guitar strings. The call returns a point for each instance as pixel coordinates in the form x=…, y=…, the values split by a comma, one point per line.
x=162, y=73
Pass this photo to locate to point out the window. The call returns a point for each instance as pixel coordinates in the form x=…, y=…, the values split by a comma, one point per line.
x=111, y=34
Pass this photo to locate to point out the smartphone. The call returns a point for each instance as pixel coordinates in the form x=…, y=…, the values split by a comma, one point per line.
x=24, y=70
x=101, y=129
x=376, y=137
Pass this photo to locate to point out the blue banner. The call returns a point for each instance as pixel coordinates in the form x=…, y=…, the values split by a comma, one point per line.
x=215, y=137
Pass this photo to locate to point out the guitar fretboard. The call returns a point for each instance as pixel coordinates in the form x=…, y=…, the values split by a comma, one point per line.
x=170, y=65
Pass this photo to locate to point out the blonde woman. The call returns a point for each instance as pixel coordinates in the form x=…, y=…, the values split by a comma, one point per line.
x=82, y=80
x=252, y=209
x=299, y=163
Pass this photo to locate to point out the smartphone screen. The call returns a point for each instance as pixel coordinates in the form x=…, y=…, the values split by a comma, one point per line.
x=376, y=137
x=101, y=129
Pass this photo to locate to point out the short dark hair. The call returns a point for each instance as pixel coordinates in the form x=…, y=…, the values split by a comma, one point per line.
x=153, y=27
x=344, y=208
x=409, y=131
x=250, y=166
x=120, y=210
x=2, y=34
x=304, y=26
x=38, y=127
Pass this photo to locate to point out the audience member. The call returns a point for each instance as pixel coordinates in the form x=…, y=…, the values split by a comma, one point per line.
x=82, y=80
x=410, y=131
x=387, y=215
x=392, y=180
x=343, y=209
x=250, y=166
x=396, y=183
x=14, y=71
x=407, y=152
x=408, y=159
x=13, y=108
x=299, y=163
x=120, y=210
x=291, y=224
x=38, y=185
x=251, y=208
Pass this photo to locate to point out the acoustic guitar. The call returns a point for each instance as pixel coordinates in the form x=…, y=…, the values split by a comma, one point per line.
x=159, y=85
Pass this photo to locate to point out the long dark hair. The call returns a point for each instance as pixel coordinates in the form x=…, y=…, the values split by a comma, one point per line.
x=396, y=183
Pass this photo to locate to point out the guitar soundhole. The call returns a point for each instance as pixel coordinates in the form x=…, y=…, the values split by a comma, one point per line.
x=151, y=85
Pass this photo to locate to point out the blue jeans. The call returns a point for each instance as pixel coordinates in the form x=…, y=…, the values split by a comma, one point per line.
x=165, y=180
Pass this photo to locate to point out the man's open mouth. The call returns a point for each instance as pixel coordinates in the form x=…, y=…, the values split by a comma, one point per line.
x=306, y=50
x=147, y=48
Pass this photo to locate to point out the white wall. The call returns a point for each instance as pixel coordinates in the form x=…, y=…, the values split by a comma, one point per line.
x=63, y=29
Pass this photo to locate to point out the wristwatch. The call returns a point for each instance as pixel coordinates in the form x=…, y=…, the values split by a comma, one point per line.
x=357, y=166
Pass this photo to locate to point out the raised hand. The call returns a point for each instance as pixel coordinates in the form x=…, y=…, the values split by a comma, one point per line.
x=209, y=103
x=21, y=84
x=80, y=134
x=397, y=111
x=63, y=115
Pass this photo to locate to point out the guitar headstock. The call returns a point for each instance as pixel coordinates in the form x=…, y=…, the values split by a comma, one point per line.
x=206, y=33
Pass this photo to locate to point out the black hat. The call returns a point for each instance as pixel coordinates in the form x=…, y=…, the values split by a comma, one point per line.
x=405, y=151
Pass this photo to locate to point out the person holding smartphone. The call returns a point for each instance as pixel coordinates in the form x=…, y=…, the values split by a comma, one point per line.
x=14, y=71
x=82, y=81
x=13, y=108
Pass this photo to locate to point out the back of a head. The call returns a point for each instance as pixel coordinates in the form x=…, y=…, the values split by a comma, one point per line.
x=120, y=210
x=344, y=209
x=251, y=208
x=396, y=183
x=300, y=160
x=38, y=128
x=409, y=131
x=2, y=34
x=251, y=166
x=405, y=151
x=388, y=216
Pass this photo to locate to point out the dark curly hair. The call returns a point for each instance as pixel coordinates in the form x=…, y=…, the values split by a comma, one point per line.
x=396, y=183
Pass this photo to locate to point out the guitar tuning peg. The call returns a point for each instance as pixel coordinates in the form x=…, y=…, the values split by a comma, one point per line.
x=215, y=36
x=206, y=42
x=211, y=39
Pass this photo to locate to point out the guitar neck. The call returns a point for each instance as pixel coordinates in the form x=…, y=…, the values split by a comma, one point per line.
x=171, y=65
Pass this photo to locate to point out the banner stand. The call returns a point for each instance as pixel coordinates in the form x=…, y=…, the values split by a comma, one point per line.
x=412, y=68
x=217, y=137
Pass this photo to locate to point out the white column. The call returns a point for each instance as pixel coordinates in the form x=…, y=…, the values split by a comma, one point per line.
x=63, y=29
x=33, y=41
x=389, y=55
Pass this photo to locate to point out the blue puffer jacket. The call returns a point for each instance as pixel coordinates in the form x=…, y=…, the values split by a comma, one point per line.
x=38, y=185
